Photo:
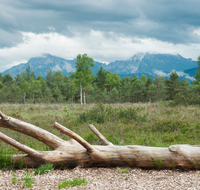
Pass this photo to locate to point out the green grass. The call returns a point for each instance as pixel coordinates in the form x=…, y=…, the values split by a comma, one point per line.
x=158, y=164
x=125, y=170
x=162, y=126
x=45, y=168
x=122, y=170
x=14, y=178
x=27, y=179
x=6, y=159
x=73, y=182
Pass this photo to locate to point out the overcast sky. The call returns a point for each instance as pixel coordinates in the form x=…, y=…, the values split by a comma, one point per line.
x=107, y=30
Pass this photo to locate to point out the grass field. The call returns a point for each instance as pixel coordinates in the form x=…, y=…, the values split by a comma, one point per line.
x=156, y=124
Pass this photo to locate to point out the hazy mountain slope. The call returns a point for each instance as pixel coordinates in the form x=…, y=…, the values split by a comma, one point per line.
x=149, y=64
x=192, y=71
x=40, y=65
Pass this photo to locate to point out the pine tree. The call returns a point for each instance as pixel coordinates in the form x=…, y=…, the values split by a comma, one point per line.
x=159, y=82
x=197, y=76
x=172, y=85
x=101, y=77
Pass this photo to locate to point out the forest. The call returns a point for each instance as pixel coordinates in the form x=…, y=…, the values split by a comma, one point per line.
x=105, y=87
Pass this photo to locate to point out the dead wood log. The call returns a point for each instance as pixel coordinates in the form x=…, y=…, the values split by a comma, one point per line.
x=79, y=152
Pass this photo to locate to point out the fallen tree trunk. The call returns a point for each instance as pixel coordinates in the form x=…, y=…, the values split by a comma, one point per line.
x=79, y=152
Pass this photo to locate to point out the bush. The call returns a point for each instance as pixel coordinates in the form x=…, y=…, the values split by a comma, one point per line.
x=73, y=182
x=101, y=114
x=43, y=169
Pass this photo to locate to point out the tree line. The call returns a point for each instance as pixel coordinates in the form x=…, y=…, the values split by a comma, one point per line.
x=106, y=87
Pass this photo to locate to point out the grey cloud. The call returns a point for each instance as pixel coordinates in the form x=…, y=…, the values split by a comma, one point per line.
x=179, y=73
x=167, y=20
x=10, y=39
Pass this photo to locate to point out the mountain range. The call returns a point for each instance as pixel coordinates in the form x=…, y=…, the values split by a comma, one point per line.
x=141, y=63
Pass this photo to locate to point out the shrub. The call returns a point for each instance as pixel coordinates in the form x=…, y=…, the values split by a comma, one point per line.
x=6, y=160
x=101, y=114
x=43, y=169
x=73, y=182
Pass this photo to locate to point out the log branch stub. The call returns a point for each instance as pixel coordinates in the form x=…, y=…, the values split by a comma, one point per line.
x=31, y=152
x=99, y=135
x=3, y=117
x=174, y=148
x=75, y=136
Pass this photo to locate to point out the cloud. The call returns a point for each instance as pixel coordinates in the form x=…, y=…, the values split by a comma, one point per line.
x=96, y=44
x=179, y=73
x=106, y=30
x=167, y=21
x=56, y=68
x=160, y=73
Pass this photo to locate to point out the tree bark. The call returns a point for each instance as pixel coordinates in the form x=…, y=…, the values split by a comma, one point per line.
x=81, y=94
x=24, y=97
x=79, y=152
x=84, y=97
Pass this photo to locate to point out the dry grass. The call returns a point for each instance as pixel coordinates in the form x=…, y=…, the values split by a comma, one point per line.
x=165, y=126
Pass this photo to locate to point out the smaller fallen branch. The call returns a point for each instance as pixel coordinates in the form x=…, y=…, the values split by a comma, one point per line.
x=77, y=151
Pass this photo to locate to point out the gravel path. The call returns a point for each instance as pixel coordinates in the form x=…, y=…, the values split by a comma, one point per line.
x=107, y=178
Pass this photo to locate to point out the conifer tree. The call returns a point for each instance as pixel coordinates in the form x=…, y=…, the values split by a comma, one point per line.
x=101, y=77
x=197, y=76
x=172, y=85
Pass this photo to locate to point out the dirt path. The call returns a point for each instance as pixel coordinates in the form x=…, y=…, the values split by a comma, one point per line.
x=108, y=178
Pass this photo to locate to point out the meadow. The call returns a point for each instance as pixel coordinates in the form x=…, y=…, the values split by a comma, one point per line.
x=156, y=124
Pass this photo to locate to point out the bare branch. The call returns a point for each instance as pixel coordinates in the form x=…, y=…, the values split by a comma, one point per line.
x=23, y=148
x=99, y=135
x=73, y=135
x=31, y=130
x=3, y=117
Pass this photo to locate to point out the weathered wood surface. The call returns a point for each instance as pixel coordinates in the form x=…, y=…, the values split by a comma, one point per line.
x=79, y=152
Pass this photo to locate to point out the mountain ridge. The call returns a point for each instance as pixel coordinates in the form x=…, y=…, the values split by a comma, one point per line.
x=148, y=63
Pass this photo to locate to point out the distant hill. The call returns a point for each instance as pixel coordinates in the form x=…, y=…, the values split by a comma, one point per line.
x=149, y=64
x=40, y=65
x=192, y=71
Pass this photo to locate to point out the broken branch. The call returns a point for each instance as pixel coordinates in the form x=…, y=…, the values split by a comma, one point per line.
x=99, y=135
x=73, y=135
x=23, y=148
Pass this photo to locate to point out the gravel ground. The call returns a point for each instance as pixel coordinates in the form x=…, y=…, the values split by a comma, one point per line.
x=108, y=178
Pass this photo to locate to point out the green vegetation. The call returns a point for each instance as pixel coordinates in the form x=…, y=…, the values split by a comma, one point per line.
x=118, y=169
x=14, y=178
x=83, y=76
x=105, y=87
x=123, y=170
x=101, y=114
x=27, y=179
x=43, y=169
x=158, y=164
x=73, y=182
x=6, y=159
x=166, y=124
